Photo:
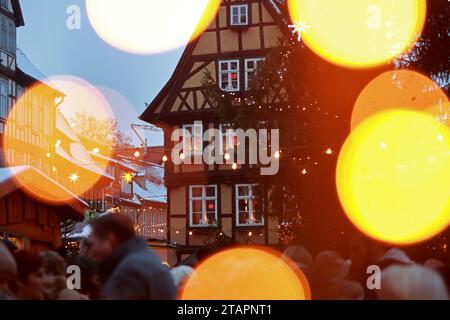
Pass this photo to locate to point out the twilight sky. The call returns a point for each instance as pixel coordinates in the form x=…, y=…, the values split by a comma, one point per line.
x=56, y=50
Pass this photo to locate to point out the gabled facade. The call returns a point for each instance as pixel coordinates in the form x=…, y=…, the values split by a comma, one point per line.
x=207, y=200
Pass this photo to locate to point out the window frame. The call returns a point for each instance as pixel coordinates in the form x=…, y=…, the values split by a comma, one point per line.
x=193, y=136
x=228, y=136
x=204, y=198
x=250, y=197
x=4, y=110
x=229, y=71
x=240, y=8
x=247, y=70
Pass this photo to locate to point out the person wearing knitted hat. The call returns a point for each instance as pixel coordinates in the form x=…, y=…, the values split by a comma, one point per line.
x=8, y=272
x=411, y=282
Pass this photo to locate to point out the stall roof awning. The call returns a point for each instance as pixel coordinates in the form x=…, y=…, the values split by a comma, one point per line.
x=14, y=178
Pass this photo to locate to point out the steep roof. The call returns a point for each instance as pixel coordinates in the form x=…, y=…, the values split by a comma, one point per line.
x=278, y=10
x=75, y=152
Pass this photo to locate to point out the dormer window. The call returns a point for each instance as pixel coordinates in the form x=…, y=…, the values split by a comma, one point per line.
x=239, y=15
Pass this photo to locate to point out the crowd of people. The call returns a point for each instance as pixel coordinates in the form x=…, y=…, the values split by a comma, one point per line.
x=115, y=264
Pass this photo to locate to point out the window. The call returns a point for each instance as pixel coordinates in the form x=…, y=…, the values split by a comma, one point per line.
x=8, y=35
x=229, y=75
x=203, y=206
x=125, y=187
x=3, y=99
x=20, y=108
x=228, y=139
x=193, y=139
x=239, y=15
x=251, y=67
x=248, y=207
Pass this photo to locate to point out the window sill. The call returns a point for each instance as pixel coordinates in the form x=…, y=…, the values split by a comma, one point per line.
x=239, y=27
x=250, y=226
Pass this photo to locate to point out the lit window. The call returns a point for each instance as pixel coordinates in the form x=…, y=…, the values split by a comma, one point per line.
x=251, y=67
x=239, y=15
x=229, y=75
x=193, y=139
x=228, y=141
x=248, y=207
x=203, y=206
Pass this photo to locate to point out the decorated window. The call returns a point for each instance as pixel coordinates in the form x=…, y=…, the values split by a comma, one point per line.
x=248, y=206
x=239, y=15
x=193, y=139
x=229, y=75
x=251, y=67
x=203, y=206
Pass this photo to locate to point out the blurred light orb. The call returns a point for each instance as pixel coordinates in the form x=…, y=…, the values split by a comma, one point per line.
x=393, y=177
x=359, y=33
x=148, y=27
x=400, y=89
x=246, y=274
x=65, y=158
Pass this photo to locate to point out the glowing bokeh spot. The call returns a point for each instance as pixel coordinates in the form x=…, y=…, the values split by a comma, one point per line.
x=359, y=33
x=401, y=89
x=246, y=274
x=393, y=177
x=143, y=26
x=39, y=133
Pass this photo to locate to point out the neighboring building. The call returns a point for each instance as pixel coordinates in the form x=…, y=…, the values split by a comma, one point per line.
x=138, y=190
x=27, y=219
x=204, y=200
x=74, y=158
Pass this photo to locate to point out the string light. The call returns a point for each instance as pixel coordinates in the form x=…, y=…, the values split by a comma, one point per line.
x=164, y=159
x=96, y=150
x=127, y=177
x=74, y=177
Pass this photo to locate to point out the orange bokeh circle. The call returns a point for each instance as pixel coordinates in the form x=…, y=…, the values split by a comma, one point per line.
x=247, y=273
x=400, y=89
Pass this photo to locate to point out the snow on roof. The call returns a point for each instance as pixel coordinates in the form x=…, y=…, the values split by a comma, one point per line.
x=152, y=187
x=63, y=126
x=76, y=152
x=85, y=233
x=152, y=191
x=26, y=66
x=8, y=173
x=121, y=163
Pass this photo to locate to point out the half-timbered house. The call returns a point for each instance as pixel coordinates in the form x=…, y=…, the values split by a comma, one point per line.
x=209, y=200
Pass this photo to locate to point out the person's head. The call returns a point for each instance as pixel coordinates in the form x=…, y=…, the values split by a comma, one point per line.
x=411, y=282
x=108, y=233
x=329, y=264
x=30, y=267
x=394, y=256
x=54, y=264
x=8, y=267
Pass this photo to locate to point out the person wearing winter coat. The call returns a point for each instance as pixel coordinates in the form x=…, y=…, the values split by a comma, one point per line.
x=8, y=273
x=128, y=269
